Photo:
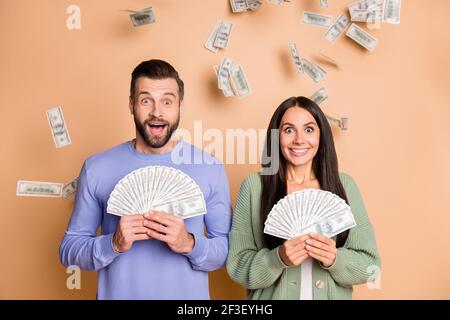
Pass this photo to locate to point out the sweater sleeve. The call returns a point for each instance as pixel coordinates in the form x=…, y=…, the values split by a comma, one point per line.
x=246, y=264
x=80, y=245
x=210, y=251
x=355, y=261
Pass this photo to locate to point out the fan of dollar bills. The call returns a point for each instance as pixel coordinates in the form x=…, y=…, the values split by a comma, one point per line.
x=308, y=211
x=157, y=188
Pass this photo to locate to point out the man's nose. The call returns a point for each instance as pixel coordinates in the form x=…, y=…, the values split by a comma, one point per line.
x=156, y=110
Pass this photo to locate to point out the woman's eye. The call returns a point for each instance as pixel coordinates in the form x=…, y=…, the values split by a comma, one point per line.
x=309, y=129
x=289, y=130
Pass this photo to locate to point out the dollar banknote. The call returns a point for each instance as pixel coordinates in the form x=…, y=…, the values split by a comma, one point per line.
x=209, y=44
x=58, y=127
x=142, y=17
x=313, y=70
x=239, y=81
x=342, y=123
x=226, y=88
x=337, y=28
x=253, y=5
x=185, y=208
x=362, y=37
x=296, y=57
x=319, y=96
x=366, y=10
x=332, y=225
x=231, y=79
x=316, y=19
x=69, y=189
x=223, y=34
x=278, y=2
x=238, y=6
x=392, y=10
x=39, y=189
x=224, y=72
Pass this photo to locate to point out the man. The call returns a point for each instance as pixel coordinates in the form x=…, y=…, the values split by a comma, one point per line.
x=152, y=255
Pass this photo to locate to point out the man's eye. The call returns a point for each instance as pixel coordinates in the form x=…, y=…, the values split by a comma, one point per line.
x=167, y=102
x=145, y=101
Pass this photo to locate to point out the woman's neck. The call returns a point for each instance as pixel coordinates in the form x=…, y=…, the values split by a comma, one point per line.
x=300, y=174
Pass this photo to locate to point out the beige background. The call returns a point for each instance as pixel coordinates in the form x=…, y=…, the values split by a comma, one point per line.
x=397, y=99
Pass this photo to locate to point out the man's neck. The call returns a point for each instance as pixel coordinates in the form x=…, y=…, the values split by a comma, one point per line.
x=141, y=146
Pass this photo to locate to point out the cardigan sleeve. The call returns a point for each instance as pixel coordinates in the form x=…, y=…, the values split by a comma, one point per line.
x=355, y=261
x=246, y=264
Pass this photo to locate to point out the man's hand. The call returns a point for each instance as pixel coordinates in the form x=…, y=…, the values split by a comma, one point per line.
x=169, y=229
x=292, y=252
x=129, y=229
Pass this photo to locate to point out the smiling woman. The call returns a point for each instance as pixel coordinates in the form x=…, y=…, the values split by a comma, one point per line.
x=269, y=266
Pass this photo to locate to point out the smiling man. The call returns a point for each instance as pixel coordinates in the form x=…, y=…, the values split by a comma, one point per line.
x=153, y=255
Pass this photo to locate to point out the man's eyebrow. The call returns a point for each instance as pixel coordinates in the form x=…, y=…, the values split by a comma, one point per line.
x=164, y=94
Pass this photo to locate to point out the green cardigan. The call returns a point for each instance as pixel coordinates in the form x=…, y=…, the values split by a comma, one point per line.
x=261, y=270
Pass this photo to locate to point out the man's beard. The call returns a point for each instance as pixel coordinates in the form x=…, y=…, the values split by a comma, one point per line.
x=153, y=141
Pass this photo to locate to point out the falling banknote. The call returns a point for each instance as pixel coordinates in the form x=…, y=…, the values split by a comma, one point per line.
x=337, y=28
x=316, y=19
x=70, y=189
x=39, y=189
x=392, y=10
x=313, y=70
x=366, y=10
x=58, y=127
x=218, y=38
x=361, y=37
x=342, y=123
x=231, y=79
x=296, y=57
x=142, y=17
x=319, y=96
x=238, y=6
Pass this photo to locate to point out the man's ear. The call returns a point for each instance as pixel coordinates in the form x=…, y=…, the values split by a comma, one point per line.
x=181, y=106
x=130, y=104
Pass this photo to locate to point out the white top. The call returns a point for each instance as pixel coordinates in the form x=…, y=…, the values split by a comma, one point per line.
x=306, y=283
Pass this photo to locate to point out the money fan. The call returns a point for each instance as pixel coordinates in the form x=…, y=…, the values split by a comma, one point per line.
x=157, y=188
x=307, y=211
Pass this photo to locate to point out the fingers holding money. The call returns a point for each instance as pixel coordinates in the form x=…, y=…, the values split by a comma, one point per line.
x=321, y=248
x=292, y=252
x=169, y=229
x=129, y=230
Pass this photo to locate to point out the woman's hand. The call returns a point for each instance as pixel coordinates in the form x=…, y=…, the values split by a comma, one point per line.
x=321, y=248
x=292, y=252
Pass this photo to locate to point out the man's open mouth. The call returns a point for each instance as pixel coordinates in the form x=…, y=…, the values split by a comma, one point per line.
x=156, y=128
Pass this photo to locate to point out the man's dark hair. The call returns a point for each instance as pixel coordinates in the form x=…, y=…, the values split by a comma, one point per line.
x=155, y=69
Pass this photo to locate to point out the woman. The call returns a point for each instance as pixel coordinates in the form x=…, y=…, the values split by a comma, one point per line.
x=311, y=266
